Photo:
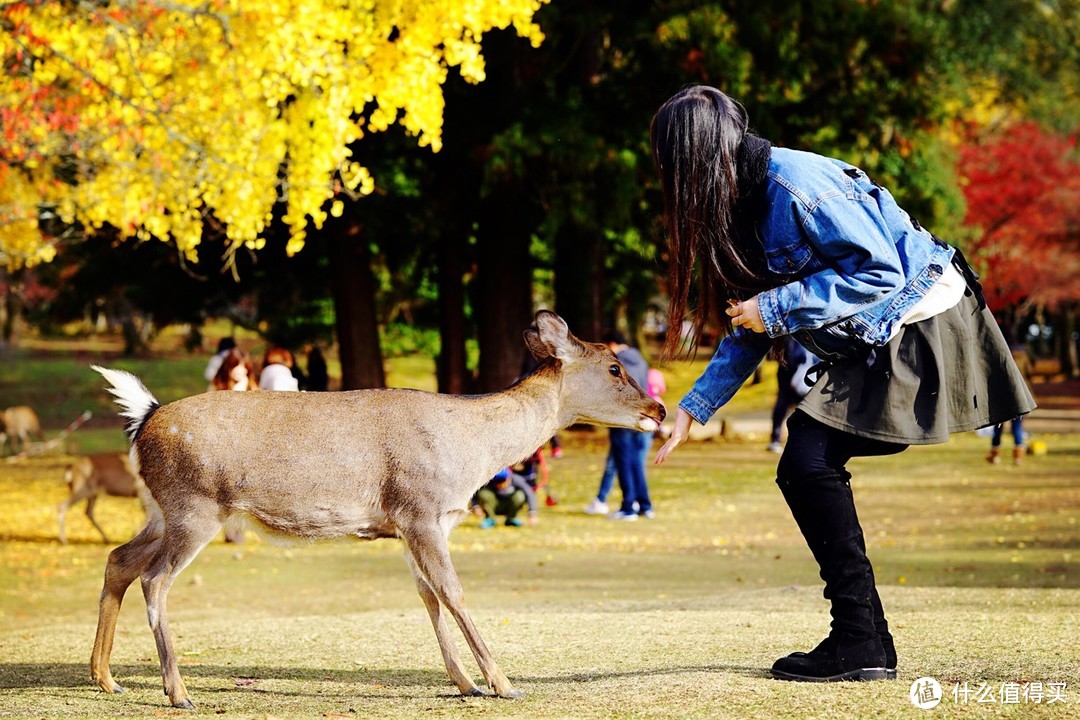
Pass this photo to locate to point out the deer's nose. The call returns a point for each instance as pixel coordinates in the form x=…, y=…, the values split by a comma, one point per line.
x=663, y=412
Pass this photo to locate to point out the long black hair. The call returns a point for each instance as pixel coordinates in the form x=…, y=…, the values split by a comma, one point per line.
x=712, y=171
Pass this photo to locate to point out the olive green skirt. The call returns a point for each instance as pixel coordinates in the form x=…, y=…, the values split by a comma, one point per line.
x=950, y=373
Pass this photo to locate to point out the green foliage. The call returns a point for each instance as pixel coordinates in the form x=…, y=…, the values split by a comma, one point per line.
x=399, y=339
x=1025, y=53
x=61, y=388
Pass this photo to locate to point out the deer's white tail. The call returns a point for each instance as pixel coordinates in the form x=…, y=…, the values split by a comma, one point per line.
x=137, y=402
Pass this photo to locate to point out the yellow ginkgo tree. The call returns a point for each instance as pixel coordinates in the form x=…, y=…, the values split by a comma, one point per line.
x=159, y=118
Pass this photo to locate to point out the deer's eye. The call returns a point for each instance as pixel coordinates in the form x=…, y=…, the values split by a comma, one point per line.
x=614, y=370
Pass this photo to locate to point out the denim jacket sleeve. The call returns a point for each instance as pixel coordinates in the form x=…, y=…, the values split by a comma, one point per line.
x=735, y=360
x=861, y=266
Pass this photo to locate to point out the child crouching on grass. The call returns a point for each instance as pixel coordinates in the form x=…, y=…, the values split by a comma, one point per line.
x=505, y=494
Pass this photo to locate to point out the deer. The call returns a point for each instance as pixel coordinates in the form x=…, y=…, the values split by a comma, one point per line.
x=17, y=424
x=99, y=474
x=370, y=464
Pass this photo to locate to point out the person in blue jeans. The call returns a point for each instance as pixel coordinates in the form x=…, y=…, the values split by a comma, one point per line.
x=598, y=505
x=1017, y=428
x=630, y=448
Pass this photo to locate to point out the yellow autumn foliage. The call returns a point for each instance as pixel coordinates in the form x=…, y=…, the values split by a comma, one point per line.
x=153, y=117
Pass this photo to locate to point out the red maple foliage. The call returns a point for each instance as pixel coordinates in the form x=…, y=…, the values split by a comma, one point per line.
x=1023, y=199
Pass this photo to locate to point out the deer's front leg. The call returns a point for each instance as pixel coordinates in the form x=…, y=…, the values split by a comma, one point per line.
x=447, y=645
x=432, y=557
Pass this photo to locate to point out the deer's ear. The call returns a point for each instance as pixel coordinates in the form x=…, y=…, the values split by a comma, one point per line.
x=537, y=349
x=550, y=337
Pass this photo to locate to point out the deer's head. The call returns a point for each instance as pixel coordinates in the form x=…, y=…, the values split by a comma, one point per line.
x=596, y=389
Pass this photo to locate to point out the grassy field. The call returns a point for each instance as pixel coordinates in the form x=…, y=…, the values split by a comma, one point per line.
x=676, y=617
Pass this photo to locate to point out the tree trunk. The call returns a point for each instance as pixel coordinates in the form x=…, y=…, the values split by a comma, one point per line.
x=579, y=281
x=353, y=285
x=451, y=365
x=454, y=194
x=1067, y=329
x=504, y=286
x=12, y=310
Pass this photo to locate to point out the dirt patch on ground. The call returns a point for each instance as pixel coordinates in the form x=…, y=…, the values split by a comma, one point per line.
x=1058, y=395
x=1059, y=408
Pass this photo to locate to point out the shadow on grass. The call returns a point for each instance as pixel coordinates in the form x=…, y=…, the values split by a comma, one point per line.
x=580, y=677
x=77, y=675
x=15, y=676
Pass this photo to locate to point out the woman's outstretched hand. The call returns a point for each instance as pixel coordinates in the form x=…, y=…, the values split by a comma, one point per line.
x=678, y=436
x=746, y=314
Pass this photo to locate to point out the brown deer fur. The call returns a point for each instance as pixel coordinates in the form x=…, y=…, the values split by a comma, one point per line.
x=367, y=463
x=93, y=475
x=17, y=424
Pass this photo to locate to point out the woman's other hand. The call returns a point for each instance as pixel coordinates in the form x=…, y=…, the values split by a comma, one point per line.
x=746, y=314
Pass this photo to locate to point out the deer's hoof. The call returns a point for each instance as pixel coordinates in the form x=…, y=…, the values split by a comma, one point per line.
x=474, y=692
x=511, y=694
x=109, y=686
x=183, y=704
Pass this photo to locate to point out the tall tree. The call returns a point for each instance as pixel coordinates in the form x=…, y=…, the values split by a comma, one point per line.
x=1022, y=185
x=171, y=120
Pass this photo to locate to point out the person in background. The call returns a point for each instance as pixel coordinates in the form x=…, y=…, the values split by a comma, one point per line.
x=536, y=472
x=318, y=380
x=1022, y=358
x=236, y=372
x=655, y=386
x=598, y=505
x=277, y=371
x=1017, y=428
x=505, y=494
x=556, y=447
x=629, y=448
x=225, y=344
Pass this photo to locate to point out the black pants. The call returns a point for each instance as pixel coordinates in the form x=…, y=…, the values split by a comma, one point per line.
x=814, y=448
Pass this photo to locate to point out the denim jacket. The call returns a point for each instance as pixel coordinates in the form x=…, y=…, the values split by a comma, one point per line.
x=848, y=264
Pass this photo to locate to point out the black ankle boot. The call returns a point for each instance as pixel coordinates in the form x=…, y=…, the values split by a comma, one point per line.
x=838, y=657
x=887, y=647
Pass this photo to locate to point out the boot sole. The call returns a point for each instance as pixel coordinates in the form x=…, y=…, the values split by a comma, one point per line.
x=890, y=672
x=861, y=674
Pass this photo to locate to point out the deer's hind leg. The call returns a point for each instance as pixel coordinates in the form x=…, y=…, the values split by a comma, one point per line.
x=126, y=563
x=184, y=537
x=90, y=514
x=61, y=512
